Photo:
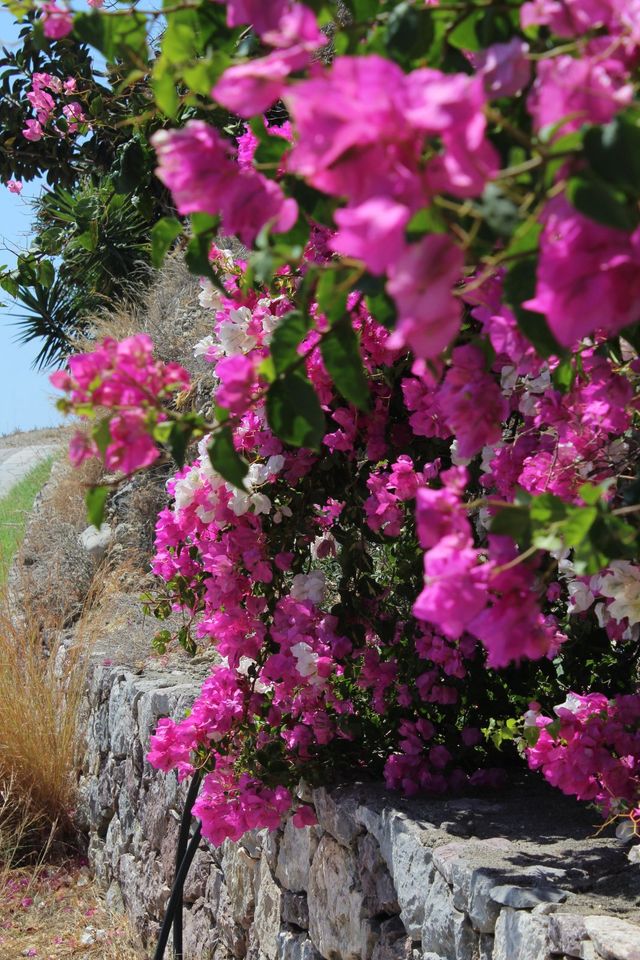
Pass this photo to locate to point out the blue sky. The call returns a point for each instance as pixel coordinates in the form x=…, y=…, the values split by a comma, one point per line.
x=25, y=396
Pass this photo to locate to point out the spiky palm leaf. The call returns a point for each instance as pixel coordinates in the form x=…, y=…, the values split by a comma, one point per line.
x=55, y=315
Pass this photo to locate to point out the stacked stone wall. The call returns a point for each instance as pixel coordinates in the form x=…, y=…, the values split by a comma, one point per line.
x=515, y=876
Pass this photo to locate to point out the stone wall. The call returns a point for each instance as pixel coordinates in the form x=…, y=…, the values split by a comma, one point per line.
x=512, y=877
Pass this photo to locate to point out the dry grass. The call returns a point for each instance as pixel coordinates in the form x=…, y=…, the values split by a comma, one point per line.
x=66, y=497
x=58, y=912
x=42, y=684
x=171, y=316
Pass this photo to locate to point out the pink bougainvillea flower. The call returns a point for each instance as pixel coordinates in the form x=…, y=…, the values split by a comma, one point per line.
x=454, y=586
x=237, y=382
x=15, y=186
x=81, y=448
x=199, y=167
x=263, y=15
x=298, y=25
x=567, y=18
x=471, y=402
x=57, y=21
x=372, y=232
x=504, y=67
x=32, y=130
x=252, y=87
x=588, y=275
x=588, y=90
x=421, y=283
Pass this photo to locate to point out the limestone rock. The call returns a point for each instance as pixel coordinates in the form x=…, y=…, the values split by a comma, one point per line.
x=95, y=541
x=267, y=914
x=525, y=898
x=614, y=939
x=567, y=932
x=241, y=879
x=295, y=854
x=338, y=924
x=468, y=868
x=520, y=935
x=376, y=882
x=392, y=942
x=295, y=909
x=404, y=846
x=296, y=946
x=437, y=928
x=336, y=815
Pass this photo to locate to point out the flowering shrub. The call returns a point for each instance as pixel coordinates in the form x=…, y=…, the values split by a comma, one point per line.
x=416, y=507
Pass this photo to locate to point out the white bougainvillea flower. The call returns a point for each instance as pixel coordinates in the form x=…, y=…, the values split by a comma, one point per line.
x=622, y=585
x=309, y=586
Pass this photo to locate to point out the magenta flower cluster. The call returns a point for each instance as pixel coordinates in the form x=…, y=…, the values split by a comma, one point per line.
x=360, y=592
x=42, y=97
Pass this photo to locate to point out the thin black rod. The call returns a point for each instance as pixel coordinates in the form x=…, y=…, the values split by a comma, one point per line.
x=176, y=893
x=183, y=839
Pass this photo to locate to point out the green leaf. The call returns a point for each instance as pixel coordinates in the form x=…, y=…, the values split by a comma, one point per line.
x=132, y=167
x=465, y=36
x=225, y=459
x=102, y=435
x=164, y=90
x=409, y=32
x=513, y=522
x=179, y=437
x=383, y=309
x=427, y=220
x=118, y=38
x=203, y=223
x=46, y=273
x=96, y=500
x=519, y=286
x=564, y=375
x=341, y=354
x=294, y=412
x=287, y=336
x=613, y=152
x=270, y=148
x=163, y=233
x=332, y=300
x=599, y=202
x=197, y=257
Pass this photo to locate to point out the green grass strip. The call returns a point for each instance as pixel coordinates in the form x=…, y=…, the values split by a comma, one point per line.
x=15, y=508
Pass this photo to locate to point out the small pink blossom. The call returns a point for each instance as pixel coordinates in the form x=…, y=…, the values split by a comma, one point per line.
x=588, y=275
x=57, y=21
x=421, y=282
x=372, y=232
x=15, y=186
x=504, y=67
x=33, y=130
x=578, y=91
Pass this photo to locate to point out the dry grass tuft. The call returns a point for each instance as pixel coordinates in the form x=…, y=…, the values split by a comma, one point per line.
x=42, y=685
x=58, y=913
